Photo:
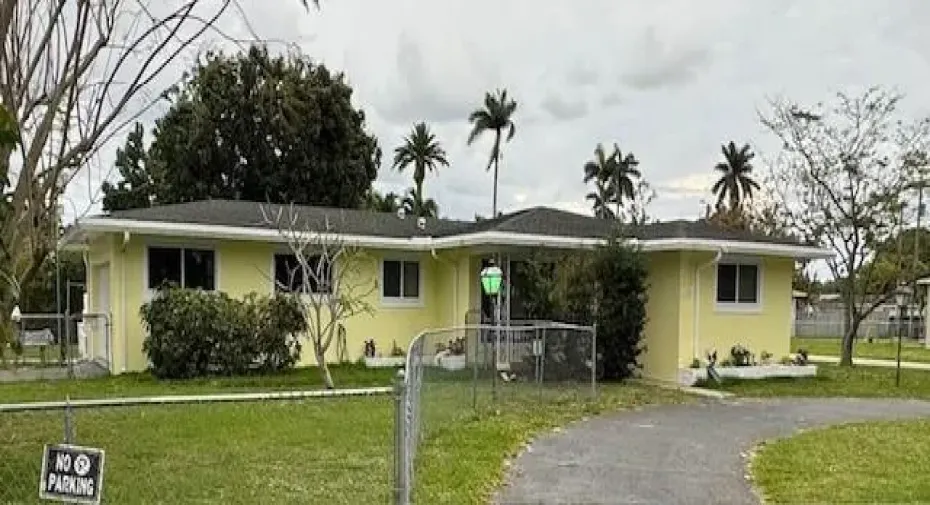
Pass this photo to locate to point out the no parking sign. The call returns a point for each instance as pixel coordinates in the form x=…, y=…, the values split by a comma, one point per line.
x=71, y=473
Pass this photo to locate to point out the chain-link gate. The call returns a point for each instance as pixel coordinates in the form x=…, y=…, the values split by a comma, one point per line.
x=454, y=371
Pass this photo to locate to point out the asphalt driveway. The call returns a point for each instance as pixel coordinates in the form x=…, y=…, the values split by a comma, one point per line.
x=677, y=454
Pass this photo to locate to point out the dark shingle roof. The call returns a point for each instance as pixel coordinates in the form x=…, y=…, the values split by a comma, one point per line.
x=535, y=220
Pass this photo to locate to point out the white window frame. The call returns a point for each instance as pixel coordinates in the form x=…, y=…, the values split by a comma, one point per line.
x=150, y=291
x=402, y=301
x=274, y=281
x=737, y=306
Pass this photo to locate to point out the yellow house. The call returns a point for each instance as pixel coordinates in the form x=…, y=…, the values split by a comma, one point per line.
x=709, y=288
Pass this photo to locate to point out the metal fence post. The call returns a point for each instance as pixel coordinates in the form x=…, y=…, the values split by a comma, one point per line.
x=69, y=421
x=594, y=362
x=401, y=491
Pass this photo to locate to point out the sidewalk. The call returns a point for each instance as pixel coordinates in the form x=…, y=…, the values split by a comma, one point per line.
x=890, y=363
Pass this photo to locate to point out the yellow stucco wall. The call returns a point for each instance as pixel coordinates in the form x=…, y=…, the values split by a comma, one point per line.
x=450, y=288
x=766, y=329
x=673, y=315
x=661, y=334
x=244, y=267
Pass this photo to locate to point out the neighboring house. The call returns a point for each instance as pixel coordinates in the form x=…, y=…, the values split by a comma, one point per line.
x=709, y=288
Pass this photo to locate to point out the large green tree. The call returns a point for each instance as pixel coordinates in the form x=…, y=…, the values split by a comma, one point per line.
x=735, y=183
x=423, y=150
x=496, y=116
x=260, y=127
x=135, y=188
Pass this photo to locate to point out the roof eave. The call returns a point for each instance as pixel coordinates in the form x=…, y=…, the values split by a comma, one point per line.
x=116, y=225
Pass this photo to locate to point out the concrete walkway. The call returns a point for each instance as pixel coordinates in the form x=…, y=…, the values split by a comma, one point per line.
x=676, y=454
x=890, y=363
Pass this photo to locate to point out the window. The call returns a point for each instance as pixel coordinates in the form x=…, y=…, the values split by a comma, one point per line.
x=737, y=283
x=187, y=268
x=288, y=276
x=401, y=280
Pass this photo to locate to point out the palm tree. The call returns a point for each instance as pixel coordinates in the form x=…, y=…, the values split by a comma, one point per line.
x=413, y=203
x=621, y=176
x=735, y=183
x=599, y=170
x=422, y=150
x=496, y=116
x=389, y=202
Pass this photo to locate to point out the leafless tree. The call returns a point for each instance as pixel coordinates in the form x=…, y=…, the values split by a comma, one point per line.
x=330, y=277
x=635, y=210
x=73, y=73
x=840, y=181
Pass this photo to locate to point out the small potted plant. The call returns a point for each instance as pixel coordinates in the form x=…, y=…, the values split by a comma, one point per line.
x=374, y=360
x=451, y=356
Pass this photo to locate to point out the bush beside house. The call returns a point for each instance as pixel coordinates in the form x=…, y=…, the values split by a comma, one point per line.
x=193, y=333
x=607, y=287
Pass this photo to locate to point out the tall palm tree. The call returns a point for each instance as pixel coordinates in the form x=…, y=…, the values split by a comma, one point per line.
x=621, y=176
x=422, y=150
x=496, y=116
x=413, y=203
x=735, y=182
x=599, y=170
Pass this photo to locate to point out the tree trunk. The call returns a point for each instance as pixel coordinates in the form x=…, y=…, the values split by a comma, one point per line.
x=849, y=337
x=324, y=370
x=494, y=200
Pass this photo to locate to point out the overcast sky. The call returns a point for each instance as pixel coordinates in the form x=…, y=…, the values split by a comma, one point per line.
x=669, y=80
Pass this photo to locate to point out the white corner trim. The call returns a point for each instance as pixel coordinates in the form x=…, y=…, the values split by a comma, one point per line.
x=425, y=244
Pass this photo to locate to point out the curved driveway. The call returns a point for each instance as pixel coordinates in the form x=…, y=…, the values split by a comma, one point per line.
x=676, y=454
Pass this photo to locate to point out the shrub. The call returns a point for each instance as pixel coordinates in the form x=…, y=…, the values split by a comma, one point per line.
x=620, y=274
x=606, y=287
x=740, y=355
x=195, y=333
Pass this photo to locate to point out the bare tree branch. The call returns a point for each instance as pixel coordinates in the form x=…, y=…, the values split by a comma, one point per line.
x=330, y=277
x=840, y=181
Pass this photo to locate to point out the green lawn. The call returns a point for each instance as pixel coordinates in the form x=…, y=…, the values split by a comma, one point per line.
x=879, y=462
x=883, y=349
x=835, y=381
x=336, y=450
x=143, y=384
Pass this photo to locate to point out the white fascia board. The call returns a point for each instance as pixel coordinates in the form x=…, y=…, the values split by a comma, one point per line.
x=738, y=247
x=206, y=231
x=465, y=240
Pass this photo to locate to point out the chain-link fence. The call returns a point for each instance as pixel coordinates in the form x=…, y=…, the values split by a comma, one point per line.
x=912, y=328
x=49, y=346
x=452, y=372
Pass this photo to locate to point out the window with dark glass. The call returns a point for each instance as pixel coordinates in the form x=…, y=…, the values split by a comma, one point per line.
x=182, y=267
x=400, y=279
x=289, y=276
x=737, y=283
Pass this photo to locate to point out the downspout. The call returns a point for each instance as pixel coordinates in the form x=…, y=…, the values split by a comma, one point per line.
x=695, y=300
x=122, y=305
x=455, y=284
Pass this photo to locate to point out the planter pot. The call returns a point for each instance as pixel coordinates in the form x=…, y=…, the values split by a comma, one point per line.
x=385, y=362
x=689, y=376
x=451, y=362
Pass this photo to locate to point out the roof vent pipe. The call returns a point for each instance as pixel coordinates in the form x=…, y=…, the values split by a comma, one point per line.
x=421, y=223
x=400, y=213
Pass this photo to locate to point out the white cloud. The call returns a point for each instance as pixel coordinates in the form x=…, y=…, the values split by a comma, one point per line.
x=669, y=80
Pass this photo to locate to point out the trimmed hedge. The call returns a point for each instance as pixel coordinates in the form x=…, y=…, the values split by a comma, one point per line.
x=194, y=333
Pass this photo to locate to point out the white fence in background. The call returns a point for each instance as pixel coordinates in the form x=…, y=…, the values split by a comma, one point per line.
x=875, y=329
